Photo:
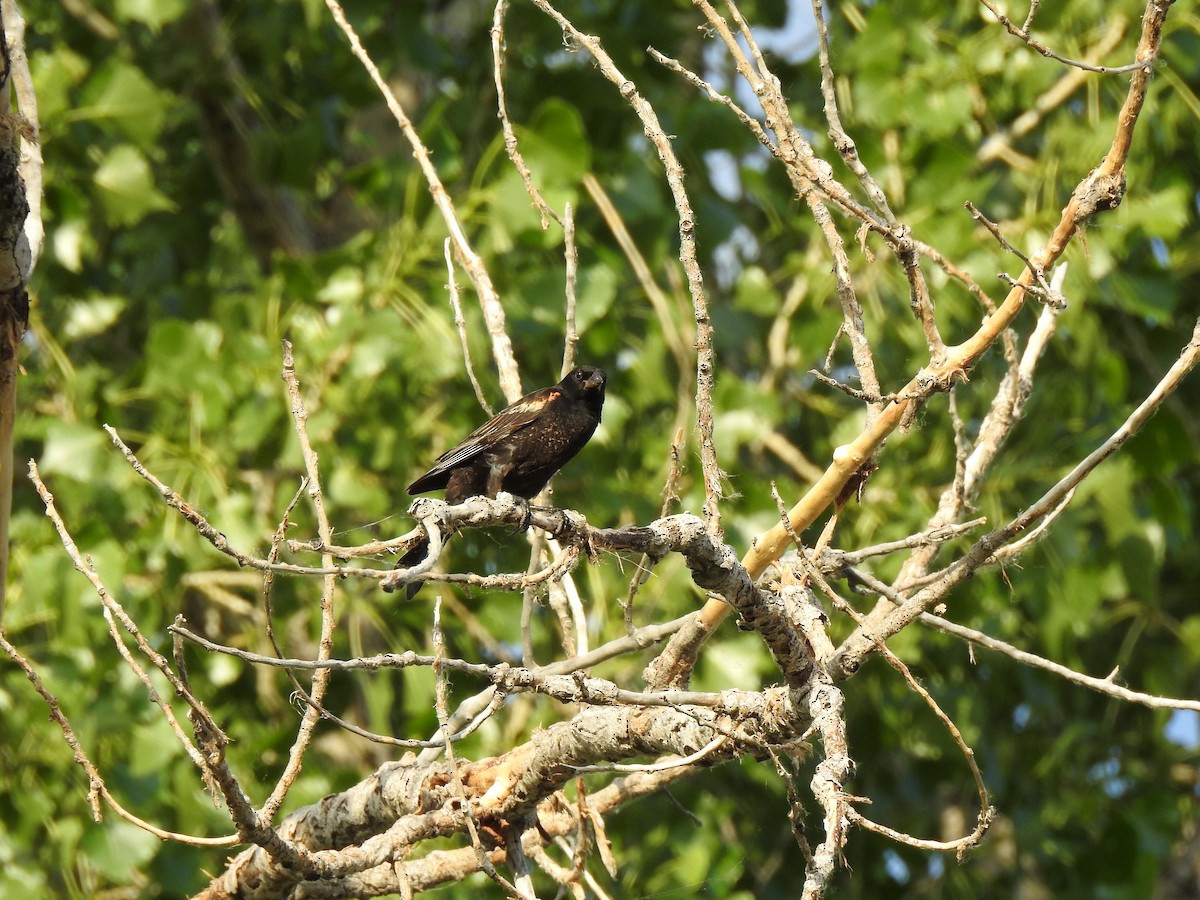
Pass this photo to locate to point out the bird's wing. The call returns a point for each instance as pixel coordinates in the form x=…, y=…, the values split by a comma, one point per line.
x=488, y=436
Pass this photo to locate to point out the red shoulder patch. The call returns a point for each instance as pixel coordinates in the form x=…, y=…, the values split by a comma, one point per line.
x=531, y=403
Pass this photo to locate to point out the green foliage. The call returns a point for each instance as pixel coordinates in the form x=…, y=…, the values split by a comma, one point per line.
x=165, y=291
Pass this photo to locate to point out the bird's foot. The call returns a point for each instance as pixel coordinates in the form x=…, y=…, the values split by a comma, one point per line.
x=526, y=514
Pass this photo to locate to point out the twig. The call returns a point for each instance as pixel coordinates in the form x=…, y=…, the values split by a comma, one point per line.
x=556, y=599
x=529, y=598
x=493, y=311
x=935, y=536
x=986, y=812
x=1019, y=546
x=795, y=151
x=193, y=516
x=999, y=144
x=865, y=396
x=436, y=743
x=1139, y=65
x=320, y=679
x=705, y=361
x=268, y=584
x=842, y=141
x=642, y=638
x=96, y=787
x=805, y=171
x=511, y=146
x=906, y=251
x=456, y=783
x=566, y=560
x=114, y=610
x=962, y=449
x=828, y=790
x=460, y=323
x=677, y=330
x=677, y=333
x=554, y=680
x=1102, y=685
x=1033, y=8
x=515, y=855
x=674, y=763
x=959, y=845
x=795, y=808
x=400, y=544
x=1006, y=409
x=1039, y=287
x=571, y=253
x=645, y=565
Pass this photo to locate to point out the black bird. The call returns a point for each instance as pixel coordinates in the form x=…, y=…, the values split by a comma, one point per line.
x=519, y=449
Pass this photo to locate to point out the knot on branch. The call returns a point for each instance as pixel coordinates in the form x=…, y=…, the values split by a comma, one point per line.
x=1099, y=192
x=940, y=379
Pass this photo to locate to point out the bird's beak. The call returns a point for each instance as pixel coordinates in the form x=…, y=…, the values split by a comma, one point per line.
x=595, y=382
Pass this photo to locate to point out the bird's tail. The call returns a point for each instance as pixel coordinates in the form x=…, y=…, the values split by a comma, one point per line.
x=412, y=556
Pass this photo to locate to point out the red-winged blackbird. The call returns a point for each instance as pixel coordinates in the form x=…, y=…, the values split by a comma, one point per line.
x=519, y=449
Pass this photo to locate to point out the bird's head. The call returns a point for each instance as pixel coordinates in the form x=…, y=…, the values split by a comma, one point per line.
x=584, y=379
x=586, y=383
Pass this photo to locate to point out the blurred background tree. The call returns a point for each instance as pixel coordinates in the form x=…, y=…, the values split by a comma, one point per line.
x=220, y=175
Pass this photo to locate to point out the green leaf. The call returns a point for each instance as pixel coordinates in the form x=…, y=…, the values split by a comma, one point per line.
x=72, y=449
x=88, y=318
x=127, y=186
x=126, y=99
x=117, y=849
x=55, y=74
x=153, y=13
x=594, y=296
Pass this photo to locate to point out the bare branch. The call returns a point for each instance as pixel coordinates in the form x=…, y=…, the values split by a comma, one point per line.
x=1103, y=685
x=986, y=811
x=885, y=622
x=113, y=610
x=705, y=367
x=571, y=252
x=511, y=145
x=489, y=301
x=999, y=144
x=96, y=786
x=460, y=324
x=1141, y=64
x=1101, y=190
x=404, y=803
x=456, y=783
x=320, y=679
